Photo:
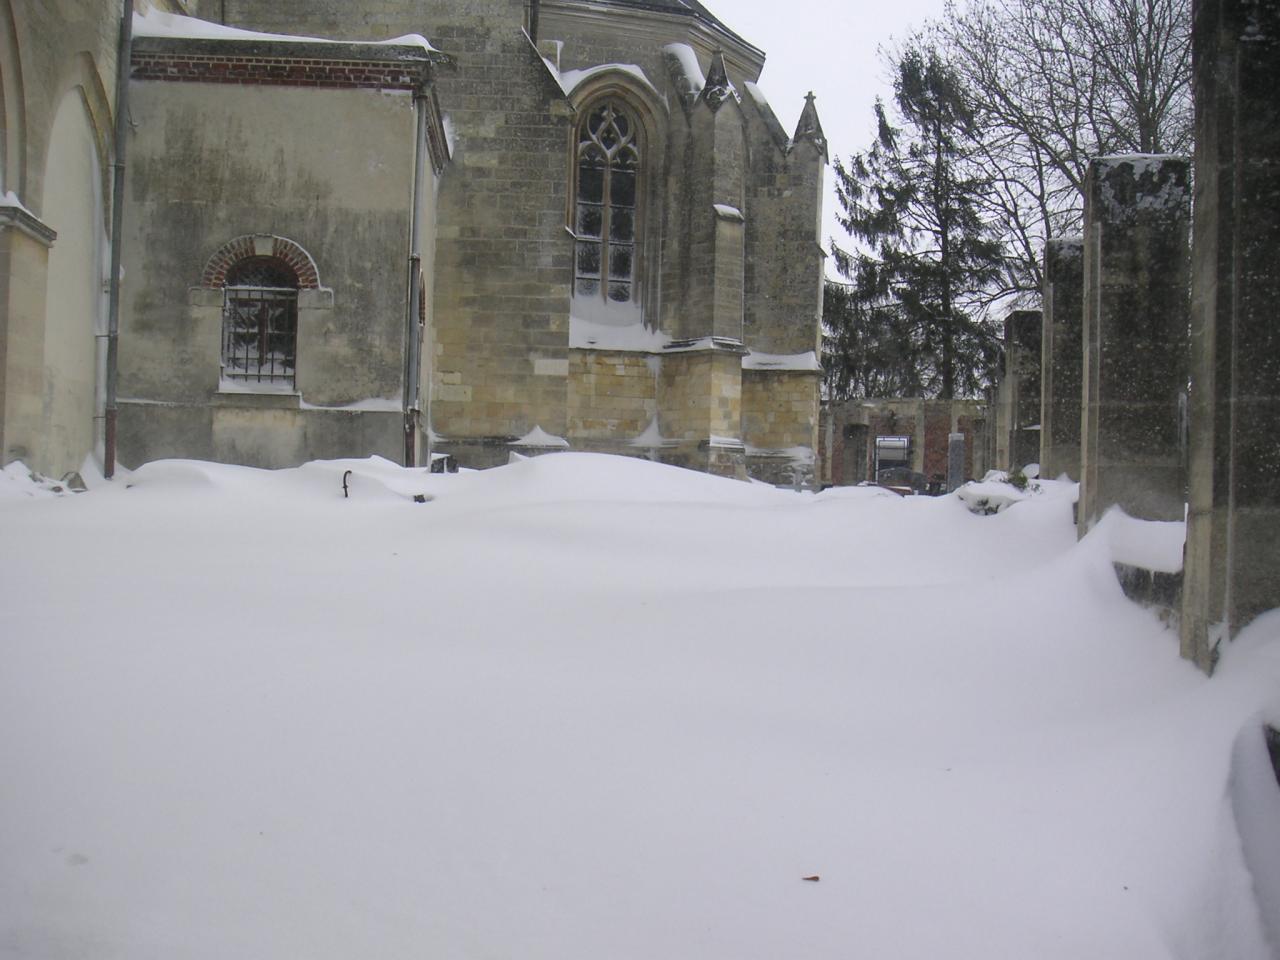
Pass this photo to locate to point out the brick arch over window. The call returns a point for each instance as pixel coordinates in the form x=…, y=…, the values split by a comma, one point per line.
x=260, y=245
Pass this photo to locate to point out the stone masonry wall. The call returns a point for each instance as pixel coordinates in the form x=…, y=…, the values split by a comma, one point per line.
x=855, y=424
x=779, y=409
x=783, y=256
x=613, y=397
x=700, y=395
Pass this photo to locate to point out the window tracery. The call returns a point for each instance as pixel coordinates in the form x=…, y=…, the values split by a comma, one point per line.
x=606, y=209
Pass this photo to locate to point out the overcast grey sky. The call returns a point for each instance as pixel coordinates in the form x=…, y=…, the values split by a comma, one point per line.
x=829, y=47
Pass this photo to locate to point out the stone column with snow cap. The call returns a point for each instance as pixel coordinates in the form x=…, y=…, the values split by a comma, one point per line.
x=1061, y=356
x=1136, y=282
x=1232, y=567
x=1022, y=373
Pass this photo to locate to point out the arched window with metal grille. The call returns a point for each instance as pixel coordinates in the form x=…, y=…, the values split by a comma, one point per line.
x=260, y=323
x=607, y=211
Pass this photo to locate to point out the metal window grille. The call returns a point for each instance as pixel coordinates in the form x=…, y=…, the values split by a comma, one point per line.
x=605, y=216
x=260, y=322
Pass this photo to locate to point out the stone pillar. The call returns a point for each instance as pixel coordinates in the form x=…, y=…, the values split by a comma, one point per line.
x=955, y=461
x=1232, y=570
x=1136, y=277
x=1022, y=375
x=1061, y=353
x=1002, y=404
x=24, y=262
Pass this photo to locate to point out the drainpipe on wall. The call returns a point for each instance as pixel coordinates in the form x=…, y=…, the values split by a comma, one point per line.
x=117, y=227
x=413, y=322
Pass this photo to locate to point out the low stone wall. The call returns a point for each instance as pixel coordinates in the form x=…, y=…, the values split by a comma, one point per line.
x=270, y=432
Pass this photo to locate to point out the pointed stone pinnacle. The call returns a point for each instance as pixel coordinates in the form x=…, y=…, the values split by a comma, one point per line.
x=718, y=88
x=809, y=126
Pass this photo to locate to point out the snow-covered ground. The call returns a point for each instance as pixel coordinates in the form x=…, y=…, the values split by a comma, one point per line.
x=589, y=707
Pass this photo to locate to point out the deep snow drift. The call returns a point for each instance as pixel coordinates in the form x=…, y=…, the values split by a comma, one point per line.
x=589, y=707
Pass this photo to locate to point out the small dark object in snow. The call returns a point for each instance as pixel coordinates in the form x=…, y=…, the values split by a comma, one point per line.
x=815, y=878
x=419, y=498
x=345, y=494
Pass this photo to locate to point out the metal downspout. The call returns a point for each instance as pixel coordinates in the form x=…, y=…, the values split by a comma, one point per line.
x=117, y=228
x=413, y=323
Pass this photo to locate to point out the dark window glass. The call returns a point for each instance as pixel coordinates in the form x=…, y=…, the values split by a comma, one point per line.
x=590, y=216
x=588, y=259
x=622, y=223
x=620, y=258
x=260, y=322
x=608, y=168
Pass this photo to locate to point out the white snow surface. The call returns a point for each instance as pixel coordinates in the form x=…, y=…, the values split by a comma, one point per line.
x=570, y=80
x=759, y=360
x=650, y=436
x=368, y=404
x=537, y=437
x=688, y=61
x=10, y=199
x=157, y=23
x=585, y=706
x=599, y=324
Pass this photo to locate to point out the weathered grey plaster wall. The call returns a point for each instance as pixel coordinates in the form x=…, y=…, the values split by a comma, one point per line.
x=212, y=162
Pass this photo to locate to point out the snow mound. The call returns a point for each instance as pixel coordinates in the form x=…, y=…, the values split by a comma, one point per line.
x=994, y=493
x=591, y=706
x=374, y=480
x=19, y=483
x=1149, y=544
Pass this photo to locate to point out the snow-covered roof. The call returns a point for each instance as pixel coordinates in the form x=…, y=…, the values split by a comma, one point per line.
x=157, y=23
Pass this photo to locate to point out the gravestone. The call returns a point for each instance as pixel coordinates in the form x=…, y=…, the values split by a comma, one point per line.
x=955, y=461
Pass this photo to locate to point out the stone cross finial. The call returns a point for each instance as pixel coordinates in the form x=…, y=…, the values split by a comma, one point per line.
x=809, y=126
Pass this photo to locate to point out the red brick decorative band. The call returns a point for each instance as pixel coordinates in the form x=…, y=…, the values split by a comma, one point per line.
x=250, y=245
x=273, y=71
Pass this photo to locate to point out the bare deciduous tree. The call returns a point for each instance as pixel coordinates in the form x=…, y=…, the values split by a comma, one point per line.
x=1056, y=83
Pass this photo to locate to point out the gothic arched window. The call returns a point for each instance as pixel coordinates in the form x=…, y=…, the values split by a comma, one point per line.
x=606, y=210
x=260, y=322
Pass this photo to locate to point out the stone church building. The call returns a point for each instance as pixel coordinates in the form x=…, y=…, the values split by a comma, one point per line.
x=515, y=227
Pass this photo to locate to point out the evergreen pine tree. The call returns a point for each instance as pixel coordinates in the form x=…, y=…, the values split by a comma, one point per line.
x=912, y=201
